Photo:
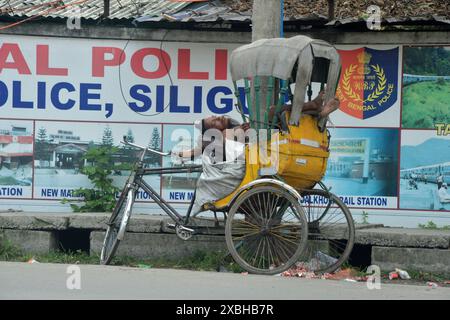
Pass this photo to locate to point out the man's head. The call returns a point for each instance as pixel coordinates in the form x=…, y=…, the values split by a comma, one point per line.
x=215, y=122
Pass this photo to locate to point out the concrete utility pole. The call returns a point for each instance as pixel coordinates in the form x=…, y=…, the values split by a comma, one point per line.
x=266, y=23
x=266, y=19
x=331, y=9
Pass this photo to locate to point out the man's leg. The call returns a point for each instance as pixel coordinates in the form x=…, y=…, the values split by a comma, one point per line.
x=329, y=107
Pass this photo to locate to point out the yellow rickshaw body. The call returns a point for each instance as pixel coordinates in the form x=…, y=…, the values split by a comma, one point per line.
x=298, y=157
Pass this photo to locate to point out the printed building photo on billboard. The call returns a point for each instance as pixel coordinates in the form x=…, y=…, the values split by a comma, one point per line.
x=16, y=158
x=179, y=187
x=363, y=165
x=424, y=170
x=426, y=87
x=62, y=148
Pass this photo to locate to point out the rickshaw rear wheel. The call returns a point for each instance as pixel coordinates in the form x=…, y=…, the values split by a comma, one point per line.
x=331, y=231
x=266, y=230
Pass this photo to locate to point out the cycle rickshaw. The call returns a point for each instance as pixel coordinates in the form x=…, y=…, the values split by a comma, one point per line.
x=275, y=218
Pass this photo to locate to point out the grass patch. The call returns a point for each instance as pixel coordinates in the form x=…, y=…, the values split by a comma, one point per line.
x=199, y=261
x=8, y=252
x=432, y=226
x=426, y=276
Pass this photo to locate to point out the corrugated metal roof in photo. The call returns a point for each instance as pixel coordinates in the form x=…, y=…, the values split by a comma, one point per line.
x=238, y=11
x=90, y=9
x=207, y=11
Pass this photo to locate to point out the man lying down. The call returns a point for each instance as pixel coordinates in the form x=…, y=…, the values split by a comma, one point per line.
x=223, y=158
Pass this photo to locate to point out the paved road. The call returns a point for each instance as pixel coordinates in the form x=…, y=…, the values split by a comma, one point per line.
x=49, y=281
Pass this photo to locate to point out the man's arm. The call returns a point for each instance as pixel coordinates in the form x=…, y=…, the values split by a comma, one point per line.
x=192, y=153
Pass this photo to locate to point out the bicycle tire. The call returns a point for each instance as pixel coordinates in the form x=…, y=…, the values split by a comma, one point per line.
x=117, y=226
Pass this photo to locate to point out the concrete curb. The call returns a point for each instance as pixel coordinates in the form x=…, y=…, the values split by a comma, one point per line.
x=148, y=236
x=36, y=242
x=400, y=237
x=419, y=259
x=154, y=246
x=89, y=221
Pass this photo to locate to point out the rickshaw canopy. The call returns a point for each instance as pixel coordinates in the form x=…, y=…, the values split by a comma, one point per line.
x=278, y=57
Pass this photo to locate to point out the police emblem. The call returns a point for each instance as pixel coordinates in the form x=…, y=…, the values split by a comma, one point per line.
x=368, y=83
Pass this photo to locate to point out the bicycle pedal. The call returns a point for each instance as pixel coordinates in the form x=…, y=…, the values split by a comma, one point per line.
x=183, y=233
x=171, y=226
x=186, y=229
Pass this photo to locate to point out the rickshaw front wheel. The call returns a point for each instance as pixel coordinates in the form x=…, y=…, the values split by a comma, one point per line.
x=266, y=230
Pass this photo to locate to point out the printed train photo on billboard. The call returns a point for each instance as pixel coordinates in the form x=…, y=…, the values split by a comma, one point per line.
x=428, y=173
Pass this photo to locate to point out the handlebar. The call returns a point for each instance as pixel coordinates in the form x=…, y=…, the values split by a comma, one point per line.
x=143, y=148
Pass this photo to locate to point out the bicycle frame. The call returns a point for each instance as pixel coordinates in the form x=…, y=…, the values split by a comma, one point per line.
x=136, y=181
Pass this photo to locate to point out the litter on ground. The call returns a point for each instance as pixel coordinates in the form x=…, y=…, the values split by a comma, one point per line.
x=300, y=271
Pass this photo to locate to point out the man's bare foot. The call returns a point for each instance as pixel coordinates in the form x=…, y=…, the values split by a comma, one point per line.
x=329, y=107
x=318, y=101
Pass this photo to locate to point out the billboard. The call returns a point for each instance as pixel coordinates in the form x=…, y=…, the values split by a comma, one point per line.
x=59, y=97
